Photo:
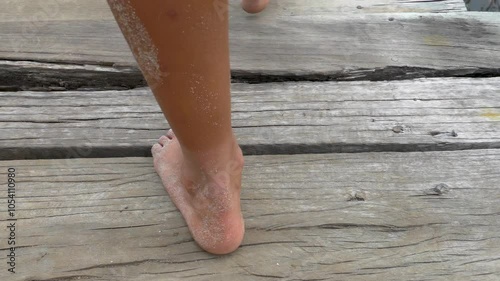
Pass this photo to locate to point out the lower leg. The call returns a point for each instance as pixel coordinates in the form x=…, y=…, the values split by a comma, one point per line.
x=183, y=51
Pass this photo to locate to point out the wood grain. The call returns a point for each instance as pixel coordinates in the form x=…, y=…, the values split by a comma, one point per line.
x=62, y=10
x=367, y=216
x=290, y=38
x=37, y=76
x=271, y=118
x=377, y=214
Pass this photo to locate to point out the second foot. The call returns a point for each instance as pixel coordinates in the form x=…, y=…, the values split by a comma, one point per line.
x=254, y=6
x=206, y=191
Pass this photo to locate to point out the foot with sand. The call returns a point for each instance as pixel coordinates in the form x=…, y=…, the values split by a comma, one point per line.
x=182, y=48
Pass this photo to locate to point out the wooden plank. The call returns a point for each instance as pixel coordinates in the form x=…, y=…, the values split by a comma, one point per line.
x=35, y=76
x=49, y=10
x=367, y=216
x=271, y=118
x=291, y=38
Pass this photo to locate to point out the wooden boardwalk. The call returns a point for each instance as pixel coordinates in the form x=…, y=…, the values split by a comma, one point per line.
x=371, y=131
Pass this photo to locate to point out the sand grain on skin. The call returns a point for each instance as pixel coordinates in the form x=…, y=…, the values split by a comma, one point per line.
x=139, y=39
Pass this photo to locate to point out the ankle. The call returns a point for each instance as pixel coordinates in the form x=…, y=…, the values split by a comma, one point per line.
x=218, y=170
x=225, y=157
x=215, y=165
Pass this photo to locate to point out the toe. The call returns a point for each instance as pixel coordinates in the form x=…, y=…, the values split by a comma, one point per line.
x=163, y=140
x=170, y=134
x=254, y=6
x=156, y=148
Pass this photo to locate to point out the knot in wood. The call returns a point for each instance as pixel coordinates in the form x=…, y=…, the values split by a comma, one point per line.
x=439, y=189
x=398, y=129
x=357, y=196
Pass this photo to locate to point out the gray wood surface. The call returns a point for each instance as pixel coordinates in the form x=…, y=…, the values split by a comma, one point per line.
x=290, y=38
x=425, y=214
x=270, y=118
x=367, y=216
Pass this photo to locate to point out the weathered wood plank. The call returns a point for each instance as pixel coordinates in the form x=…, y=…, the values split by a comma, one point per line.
x=36, y=76
x=291, y=38
x=48, y=10
x=271, y=118
x=110, y=219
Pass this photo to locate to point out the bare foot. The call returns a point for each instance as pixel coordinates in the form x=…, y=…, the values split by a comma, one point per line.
x=254, y=6
x=206, y=190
